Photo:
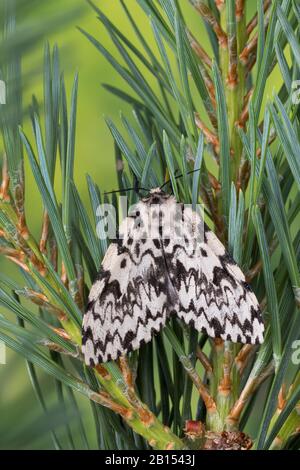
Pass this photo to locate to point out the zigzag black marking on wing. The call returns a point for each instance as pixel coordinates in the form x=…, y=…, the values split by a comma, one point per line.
x=177, y=277
x=126, y=343
x=102, y=345
x=211, y=290
x=155, y=279
x=225, y=261
x=145, y=253
x=127, y=312
x=219, y=329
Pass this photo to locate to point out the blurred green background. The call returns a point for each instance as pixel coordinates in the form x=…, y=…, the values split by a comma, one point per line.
x=22, y=424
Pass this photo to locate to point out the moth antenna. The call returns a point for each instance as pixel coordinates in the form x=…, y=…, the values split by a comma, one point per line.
x=136, y=185
x=127, y=189
x=179, y=176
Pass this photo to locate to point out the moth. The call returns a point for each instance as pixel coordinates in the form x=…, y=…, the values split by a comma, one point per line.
x=174, y=268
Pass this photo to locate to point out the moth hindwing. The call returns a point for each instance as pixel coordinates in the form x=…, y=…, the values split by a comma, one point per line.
x=166, y=262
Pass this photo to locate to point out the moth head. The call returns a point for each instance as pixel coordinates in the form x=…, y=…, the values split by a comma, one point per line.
x=156, y=196
x=156, y=191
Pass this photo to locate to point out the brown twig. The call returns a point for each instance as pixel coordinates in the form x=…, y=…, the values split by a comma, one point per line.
x=243, y=356
x=215, y=183
x=206, y=77
x=63, y=276
x=103, y=372
x=145, y=415
x=80, y=283
x=53, y=251
x=281, y=398
x=209, y=402
x=250, y=64
x=22, y=253
x=239, y=9
x=55, y=347
x=232, y=78
x=270, y=141
x=210, y=136
x=241, y=122
x=104, y=399
x=209, y=17
x=253, y=22
x=251, y=385
x=19, y=263
x=126, y=372
x=225, y=382
x=11, y=252
x=212, y=204
x=4, y=190
x=255, y=270
x=251, y=45
x=19, y=203
x=200, y=52
x=220, y=4
x=204, y=361
x=249, y=49
x=243, y=175
x=42, y=301
x=61, y=332
x=45, y=233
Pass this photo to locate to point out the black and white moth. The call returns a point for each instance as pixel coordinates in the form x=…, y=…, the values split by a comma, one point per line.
x=144, y=280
